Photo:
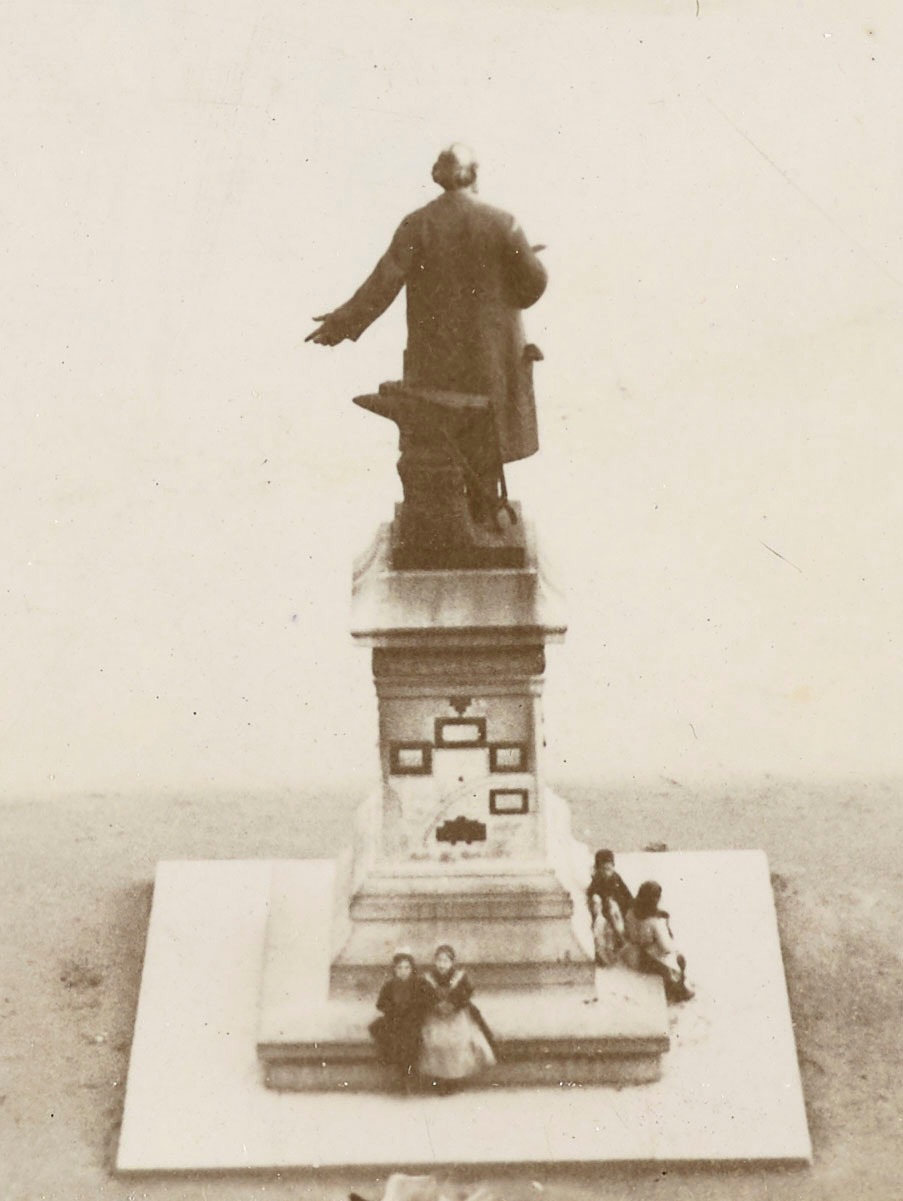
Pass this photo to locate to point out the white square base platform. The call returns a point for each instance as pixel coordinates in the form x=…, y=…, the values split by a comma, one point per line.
x=196, y=1099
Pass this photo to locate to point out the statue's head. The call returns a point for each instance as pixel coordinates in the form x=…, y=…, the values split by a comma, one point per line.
x=456, y=167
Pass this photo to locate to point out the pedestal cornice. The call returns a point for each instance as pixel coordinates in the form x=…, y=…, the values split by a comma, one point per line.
x=482, y=607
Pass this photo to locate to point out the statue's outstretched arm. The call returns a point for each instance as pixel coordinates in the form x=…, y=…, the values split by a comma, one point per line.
x=374, y=295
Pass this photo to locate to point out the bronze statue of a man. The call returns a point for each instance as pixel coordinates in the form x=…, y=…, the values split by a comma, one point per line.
x=468, y=270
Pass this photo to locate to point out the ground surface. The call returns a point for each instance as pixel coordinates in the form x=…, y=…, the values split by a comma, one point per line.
x=75, y=892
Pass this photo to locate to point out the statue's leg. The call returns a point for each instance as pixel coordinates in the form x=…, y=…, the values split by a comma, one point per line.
x=478, y=443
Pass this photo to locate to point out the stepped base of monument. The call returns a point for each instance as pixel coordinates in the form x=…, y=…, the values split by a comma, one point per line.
x=559, y=1071
x=609, y=1026
x=530, y=941
x=516, y=925
x=555, y=1037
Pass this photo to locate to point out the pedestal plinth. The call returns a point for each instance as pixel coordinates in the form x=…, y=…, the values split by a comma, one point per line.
x=465, y=846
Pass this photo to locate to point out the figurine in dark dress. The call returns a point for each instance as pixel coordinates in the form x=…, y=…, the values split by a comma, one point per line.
x=402, y=1002
x=455, y=1040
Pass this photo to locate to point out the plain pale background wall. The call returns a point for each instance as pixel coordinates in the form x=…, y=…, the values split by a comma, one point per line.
x=184, y=483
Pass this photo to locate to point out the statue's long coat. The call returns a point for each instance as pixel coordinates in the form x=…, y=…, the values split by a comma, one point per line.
x=469, y=270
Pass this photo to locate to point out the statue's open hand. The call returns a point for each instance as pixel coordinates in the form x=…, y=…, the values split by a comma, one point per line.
x=328, y=334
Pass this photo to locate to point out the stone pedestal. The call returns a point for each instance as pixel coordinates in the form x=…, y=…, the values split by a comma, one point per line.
x=461, y=843
x=465, y=845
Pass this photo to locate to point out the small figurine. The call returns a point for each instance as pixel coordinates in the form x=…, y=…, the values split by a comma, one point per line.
x=606, y=882
x=652, y=949
x=402, y=1002
x=608, y=929
x=455, y=1040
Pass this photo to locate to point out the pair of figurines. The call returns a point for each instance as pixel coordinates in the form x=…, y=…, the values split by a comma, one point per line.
x=634, y=930
x=429, y=1030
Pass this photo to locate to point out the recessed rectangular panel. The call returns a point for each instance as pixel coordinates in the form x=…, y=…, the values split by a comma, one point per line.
x=507, y=756
x=509, y=800
x=460, y=731
x=410, y=758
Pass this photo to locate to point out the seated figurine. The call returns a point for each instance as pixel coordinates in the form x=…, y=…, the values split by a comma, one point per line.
x=608, y=929
x=606, y=882
x=652, y=949
x=402, y=1002
x=455, y=1040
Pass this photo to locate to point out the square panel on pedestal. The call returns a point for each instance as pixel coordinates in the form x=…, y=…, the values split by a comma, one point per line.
x=460, y=731
x=509, y=801
x=508, y=756
x=410, y=758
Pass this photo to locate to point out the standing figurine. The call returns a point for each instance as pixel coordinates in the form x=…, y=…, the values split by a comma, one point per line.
x=402, y=1002
x=606, y=882
x=648, y=929
x=455, y=1040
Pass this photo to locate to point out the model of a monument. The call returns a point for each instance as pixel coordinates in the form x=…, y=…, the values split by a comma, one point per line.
x=462, y=858
x=463, y=842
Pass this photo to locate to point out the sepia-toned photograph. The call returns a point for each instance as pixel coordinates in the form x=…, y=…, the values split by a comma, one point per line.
x=453, y=601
